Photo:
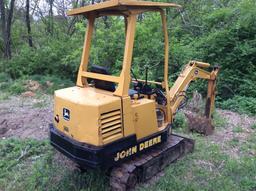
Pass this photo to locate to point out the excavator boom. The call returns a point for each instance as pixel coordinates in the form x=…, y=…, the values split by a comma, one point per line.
x=192, y=71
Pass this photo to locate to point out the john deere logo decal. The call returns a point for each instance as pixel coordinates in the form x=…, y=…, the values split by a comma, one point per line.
x=66, y=114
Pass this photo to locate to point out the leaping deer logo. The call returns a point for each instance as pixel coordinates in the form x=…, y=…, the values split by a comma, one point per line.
x=66, y=114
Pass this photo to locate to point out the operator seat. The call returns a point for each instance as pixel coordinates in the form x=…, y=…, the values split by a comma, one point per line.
x=101, y=84
x=105, y=85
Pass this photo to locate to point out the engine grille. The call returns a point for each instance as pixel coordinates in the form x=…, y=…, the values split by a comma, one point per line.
x=111, y=125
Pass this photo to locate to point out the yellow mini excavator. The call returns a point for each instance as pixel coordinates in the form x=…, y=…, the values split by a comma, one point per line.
x=120, y=122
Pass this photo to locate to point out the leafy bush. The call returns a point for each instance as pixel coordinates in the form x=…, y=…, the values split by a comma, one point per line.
x=4, y=77
x=48, y=84
x=11, y=86
x=240, y=104
x=17, y=87
x=253, y=126
x=50, y=59
x=180, y=121
x=51, y=83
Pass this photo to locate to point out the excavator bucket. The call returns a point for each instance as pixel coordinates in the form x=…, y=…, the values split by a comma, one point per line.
x=199, y=124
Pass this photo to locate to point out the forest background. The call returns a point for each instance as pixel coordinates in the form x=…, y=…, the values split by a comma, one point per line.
x=39, y=41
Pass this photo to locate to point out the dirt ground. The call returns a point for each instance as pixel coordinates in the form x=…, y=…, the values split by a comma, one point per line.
x=236, y=127
x=25, y=117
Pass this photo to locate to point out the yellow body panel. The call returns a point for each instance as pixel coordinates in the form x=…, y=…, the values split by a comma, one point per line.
x=87, y=106
x=129, y=128
x=144, y=116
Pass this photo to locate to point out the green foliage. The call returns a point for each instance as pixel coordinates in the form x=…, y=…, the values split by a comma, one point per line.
x=4, y=77
x=48, y=83
x=13, y=156
x=11, y=86
x=17, y=87
x=180, y=121
x=234, y=142
x=238, y=129
x=230, y=43
x=218, y=120
x=253, y=126
x=240, y=104
x=149, y=47
x=249, y=147
x=108, y=44
x=33, y=165
x=48, y=60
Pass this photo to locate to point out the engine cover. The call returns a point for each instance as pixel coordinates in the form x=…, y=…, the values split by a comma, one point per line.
x=88, y=115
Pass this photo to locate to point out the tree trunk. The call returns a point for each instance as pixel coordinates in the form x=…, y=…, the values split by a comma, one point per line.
x=30, y=43
x=2, y=10
x=8, y=53
x=3, y=21
x=50, y=23
x=6, y=27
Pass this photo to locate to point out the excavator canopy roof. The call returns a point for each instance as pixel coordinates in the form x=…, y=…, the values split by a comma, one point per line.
x=119, y=6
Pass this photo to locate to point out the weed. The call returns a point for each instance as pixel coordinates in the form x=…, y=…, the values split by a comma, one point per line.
x=4, y=95
x=33, y=165
x=48, y=84
x=51, y=83
x=249, y=147
x=39, y=104
x=4, y=77
x=237, y=129
x=234, y=142
x=17, y=87
x=43, y=101
x=218, y=120
x=253, y=126
x=240, y=104
x=180, y=121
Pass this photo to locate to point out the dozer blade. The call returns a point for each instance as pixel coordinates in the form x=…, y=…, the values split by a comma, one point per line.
x=199, y=124
x=145, y=166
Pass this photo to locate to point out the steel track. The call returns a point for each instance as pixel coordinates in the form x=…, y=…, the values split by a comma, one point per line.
x=144, y=167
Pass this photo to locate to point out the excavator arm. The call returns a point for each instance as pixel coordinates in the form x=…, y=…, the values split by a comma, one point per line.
x=192, y=71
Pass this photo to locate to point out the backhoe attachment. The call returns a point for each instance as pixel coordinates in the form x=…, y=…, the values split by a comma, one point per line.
x=192, y=71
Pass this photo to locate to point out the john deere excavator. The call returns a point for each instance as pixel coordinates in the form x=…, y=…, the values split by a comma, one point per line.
x=123, y=123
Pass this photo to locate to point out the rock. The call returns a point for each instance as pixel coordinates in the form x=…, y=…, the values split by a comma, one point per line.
x=33, y=85
x=3, y=127
x=28, y=94
x=3, y=130
x=49, y=84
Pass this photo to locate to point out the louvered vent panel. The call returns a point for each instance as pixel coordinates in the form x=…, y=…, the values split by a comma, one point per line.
x=111, y=125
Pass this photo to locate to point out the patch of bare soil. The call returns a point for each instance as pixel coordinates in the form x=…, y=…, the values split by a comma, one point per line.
x=236, y=127
x=29, y=117
x=25, y=117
